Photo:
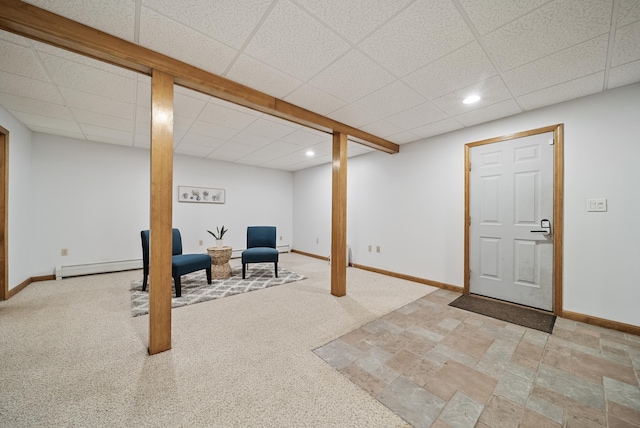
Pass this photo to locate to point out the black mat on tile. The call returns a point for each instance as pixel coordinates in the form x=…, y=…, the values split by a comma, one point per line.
x=514, y=314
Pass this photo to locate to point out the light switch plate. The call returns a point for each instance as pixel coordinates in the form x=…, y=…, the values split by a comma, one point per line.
x=597, y=205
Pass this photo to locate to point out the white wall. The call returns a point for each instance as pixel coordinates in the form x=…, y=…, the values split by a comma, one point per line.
x=93, y=199
x=412, y=203
x=19, y=199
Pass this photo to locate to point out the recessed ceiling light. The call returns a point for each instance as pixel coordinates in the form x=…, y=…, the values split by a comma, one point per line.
x=310, y=153
x=471, y=99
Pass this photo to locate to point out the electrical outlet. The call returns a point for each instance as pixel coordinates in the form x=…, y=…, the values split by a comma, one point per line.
x=597, y=205
x=378, y=249
x=64, y=252
x=369, y=248
x=201, y=242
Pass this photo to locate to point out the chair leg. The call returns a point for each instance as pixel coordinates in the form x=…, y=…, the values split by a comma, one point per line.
x=244, y=267
x=208, y=275
x=145, y=276
x=176, y=282
x=275, y=266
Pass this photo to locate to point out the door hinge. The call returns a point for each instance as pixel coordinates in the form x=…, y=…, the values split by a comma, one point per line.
x=551, y=141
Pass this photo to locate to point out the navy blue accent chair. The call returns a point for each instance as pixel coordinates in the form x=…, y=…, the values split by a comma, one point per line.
x=181, y=264
x=261, y=247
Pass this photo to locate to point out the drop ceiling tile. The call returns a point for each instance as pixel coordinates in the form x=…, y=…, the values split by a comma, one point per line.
x=187, y=106
x=80, y=59
x=307, y=137
x=250, y=160
x=143, y=116
x=193, y=149
x=211, y=130
x=437, y=128
x=115, y=17
x=283, y=122
x=102, y=120
x=106, y=135
x=628, y=12
x=553, y=27
x=422, y=33
x=269, y=128
x=381, y=128
x=324, y=148
x=173, y=39
x=29, y=88
x=566, y=91
x=201, y=140
x=237, y=107
x=265, y=155
x=624, y=75
x=143, y=94
x=182, y=90
x=491, y=91
x=352, y=116
x=20, y=60
x=341, y=15
x=88, y=79
x=577, y=61
x=182, y=123
x=226, y=155
x=230, y=22
x=456, y=70
x=626, y=47
x=98, y=104
x=282, y=147
x=403, y=138
x=292, y=41
x=254, y=140
x=46, y=122
x=315, y=100
x=352, y=77
x=218, y=115
x=14, y=38
x=142, y=141
x=417, y=116
x=489, y=113
x=257, y=75
x=390, y=100
x=33, y=106
x=488, y=15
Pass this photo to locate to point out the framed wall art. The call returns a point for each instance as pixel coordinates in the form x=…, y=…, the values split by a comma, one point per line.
x=201, y=195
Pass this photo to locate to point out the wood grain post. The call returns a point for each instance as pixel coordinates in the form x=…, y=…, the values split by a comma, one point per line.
x=4, y=216
x=339, y=216
x=160, y=245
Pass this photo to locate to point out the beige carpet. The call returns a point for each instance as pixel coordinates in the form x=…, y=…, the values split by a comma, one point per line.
x=72, y=355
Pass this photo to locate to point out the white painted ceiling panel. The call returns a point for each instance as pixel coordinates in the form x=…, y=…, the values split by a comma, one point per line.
x=315, y=100
x=398, y=69
x=422, y=33
x=627, y=48
x=257, y=75
x=115, y=17
x=553, y=27
x=563, y=92
x=173, y=39
x=577, y=61
x=229, y=21
x=352, y=76
x=291, y=40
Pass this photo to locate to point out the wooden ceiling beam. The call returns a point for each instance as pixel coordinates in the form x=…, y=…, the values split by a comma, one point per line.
x=36, y=23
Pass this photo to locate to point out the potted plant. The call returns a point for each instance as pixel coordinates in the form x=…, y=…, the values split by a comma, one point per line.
x=218, y=234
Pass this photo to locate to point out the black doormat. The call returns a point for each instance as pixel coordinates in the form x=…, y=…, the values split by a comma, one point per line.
x=506, y=312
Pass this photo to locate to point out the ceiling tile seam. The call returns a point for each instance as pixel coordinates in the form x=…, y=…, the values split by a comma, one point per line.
x=33, y=51
x=194, y=120
x=485, y=49
x=249, y=38
x=561, y=83
x=57, y=88
x=612, y=36
x=514, y=19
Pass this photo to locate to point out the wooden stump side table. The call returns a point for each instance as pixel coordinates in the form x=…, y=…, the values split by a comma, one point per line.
x=220, y=267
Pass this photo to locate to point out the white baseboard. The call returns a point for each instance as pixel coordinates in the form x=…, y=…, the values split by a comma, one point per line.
x=93, y=268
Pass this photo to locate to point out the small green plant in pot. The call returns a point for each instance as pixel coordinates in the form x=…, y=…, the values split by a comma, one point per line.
x=218, y=234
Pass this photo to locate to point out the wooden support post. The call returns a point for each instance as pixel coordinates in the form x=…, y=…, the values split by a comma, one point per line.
x=161, y=204
x=339, y=216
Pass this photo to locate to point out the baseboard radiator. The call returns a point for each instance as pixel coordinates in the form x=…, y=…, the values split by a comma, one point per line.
x=117, y=266
x=93, y=268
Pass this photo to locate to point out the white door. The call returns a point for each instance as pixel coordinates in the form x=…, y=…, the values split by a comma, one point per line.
x=511, y=193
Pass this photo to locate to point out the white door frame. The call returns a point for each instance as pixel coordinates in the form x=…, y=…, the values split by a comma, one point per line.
x=558, y=197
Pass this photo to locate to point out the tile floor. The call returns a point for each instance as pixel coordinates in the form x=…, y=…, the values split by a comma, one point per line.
x=438, y=366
